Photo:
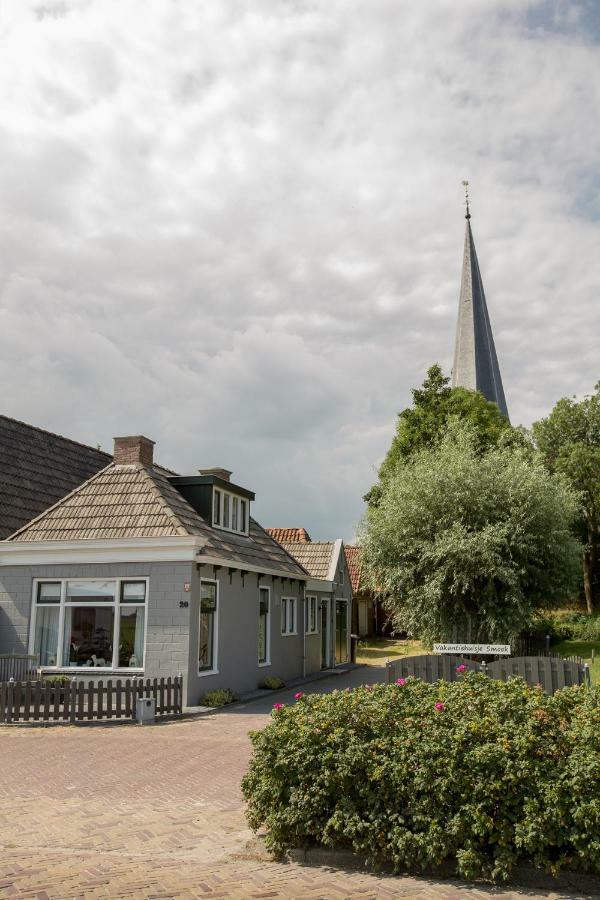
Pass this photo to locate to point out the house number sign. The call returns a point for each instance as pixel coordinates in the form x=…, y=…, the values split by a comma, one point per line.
x=477, y=649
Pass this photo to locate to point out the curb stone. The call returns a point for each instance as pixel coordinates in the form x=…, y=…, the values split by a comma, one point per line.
x=582, y=883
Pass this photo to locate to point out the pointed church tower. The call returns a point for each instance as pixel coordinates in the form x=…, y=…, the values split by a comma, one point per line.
x=475, y=361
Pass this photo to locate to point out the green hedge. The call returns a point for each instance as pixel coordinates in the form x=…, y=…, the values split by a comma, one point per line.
x=479, y=773
x=568, y=625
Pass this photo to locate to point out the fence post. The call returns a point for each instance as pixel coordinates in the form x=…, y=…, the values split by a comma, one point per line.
x=587, y=677
x=483, y=668
x=10, y=699
x=72, y=710
x=547, y=643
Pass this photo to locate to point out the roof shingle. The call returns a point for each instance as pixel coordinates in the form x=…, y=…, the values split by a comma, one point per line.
x=314, y=556
x=354, y=562
x=289, y=535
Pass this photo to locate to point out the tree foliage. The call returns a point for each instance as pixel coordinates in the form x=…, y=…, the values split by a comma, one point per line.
x=423, y=424
x=471, y=541
x=569, y=441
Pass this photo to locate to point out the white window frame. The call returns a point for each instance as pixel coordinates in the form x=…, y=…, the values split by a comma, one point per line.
x=267, y=660
x=215, y=668
x=284, y=605
x=64, y=604
x=312, y=600
x=218, y=519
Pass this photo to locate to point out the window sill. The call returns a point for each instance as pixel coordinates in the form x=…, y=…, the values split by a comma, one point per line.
x=87, y=670
x=289, y=634
x=263, y=665
x=203, y=672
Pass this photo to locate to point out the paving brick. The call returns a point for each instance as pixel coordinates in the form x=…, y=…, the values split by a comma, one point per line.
x=157, y=812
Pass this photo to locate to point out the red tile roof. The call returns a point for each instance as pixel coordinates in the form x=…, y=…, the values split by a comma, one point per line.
x=289, y=535
x=354, y=561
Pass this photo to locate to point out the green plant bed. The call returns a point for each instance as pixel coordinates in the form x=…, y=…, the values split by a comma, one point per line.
x=272, y=683
x=477, y=773
x=219, y=697
x=375, y=651
x=583, y=649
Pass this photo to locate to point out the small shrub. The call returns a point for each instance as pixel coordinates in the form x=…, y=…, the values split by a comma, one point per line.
x=57, y=680
x=477, y=772
x=219, y=697
x=272, y=683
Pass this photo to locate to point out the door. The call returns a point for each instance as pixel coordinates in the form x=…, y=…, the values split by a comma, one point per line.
x=324, y=634
x=341, y=631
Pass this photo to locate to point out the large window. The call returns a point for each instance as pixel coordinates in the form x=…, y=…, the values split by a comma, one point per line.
x=264, y=626
x=85, y=624
x=288, y=615
x=207, y=643
x=311, y=615
x=230, y=512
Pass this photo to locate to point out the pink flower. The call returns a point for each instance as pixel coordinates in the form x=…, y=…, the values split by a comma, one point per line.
x=439, y=707
x=278, y=706
x=460, y=669
x=298, y=695
x=401, y=681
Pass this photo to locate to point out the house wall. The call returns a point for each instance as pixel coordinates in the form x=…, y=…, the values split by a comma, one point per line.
x=237, y=641
x=167, y=623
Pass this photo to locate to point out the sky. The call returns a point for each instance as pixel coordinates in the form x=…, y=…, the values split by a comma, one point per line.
x=237, y=227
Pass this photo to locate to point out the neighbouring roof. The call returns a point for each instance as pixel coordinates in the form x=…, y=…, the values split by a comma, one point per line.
x=289, y=535
x=354, y=562
x=37, y=468
x=314, y=556
x=131, y=501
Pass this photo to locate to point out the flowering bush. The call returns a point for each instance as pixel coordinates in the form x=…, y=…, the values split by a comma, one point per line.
x=478, y=772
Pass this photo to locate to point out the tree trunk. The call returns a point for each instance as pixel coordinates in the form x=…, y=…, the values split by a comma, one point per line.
x=588, y=567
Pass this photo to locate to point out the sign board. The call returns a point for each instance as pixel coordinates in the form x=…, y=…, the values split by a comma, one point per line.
x=477, y=649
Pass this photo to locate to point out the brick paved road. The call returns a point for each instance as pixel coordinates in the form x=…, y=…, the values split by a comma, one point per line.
x=123, y=811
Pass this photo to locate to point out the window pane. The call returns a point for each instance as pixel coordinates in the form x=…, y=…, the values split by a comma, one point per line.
x=217, y=508
x=283, y=616
x=208, y=608
x=234, y=514
x=263, y=619
x=88, y=637
x=226, y=511
x=48, y=592
x=292, y=615
x=46, y=634
x=90, y=591
x=131, y=637
x=133, y=591
x=242, y=515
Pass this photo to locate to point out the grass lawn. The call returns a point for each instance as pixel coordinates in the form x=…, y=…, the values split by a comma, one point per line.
x=375, y=651
x=584, y=649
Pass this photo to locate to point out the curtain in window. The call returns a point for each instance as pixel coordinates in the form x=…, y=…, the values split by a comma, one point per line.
x=131, y=637
x=46, y=634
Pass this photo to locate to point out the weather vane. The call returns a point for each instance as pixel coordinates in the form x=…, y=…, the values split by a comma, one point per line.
x=466, y=187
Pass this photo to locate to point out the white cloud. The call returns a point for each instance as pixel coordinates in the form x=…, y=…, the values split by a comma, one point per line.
x=237, y=226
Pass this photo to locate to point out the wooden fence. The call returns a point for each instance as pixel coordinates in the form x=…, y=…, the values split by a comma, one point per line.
x=36, y=701
x=21, y=667
x=551, y=672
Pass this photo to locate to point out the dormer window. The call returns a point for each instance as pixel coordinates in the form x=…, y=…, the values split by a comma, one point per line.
x=230, y=512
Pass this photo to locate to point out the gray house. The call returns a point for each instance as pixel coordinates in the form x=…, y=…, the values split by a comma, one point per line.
x=140, y=571
x=328, y=591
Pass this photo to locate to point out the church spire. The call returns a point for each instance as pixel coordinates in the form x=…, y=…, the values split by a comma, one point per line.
x=475, y=361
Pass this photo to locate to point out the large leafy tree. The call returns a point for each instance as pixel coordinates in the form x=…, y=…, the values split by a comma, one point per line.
x=470, y=542
x=569, y=441
x=424, y=423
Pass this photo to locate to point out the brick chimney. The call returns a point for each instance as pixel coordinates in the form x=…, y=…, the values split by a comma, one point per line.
x=134, y=450
x=223, y=474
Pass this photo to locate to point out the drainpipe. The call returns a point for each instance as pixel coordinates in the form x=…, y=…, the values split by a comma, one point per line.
x=305, y=611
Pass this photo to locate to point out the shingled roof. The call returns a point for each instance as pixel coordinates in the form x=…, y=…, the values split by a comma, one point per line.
x=314, y=556
x=133, y=501
x=354, y=562
x=37, y=468
x=289, y=535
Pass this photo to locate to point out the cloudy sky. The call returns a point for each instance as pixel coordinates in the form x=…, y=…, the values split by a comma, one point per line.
x=236, y=227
